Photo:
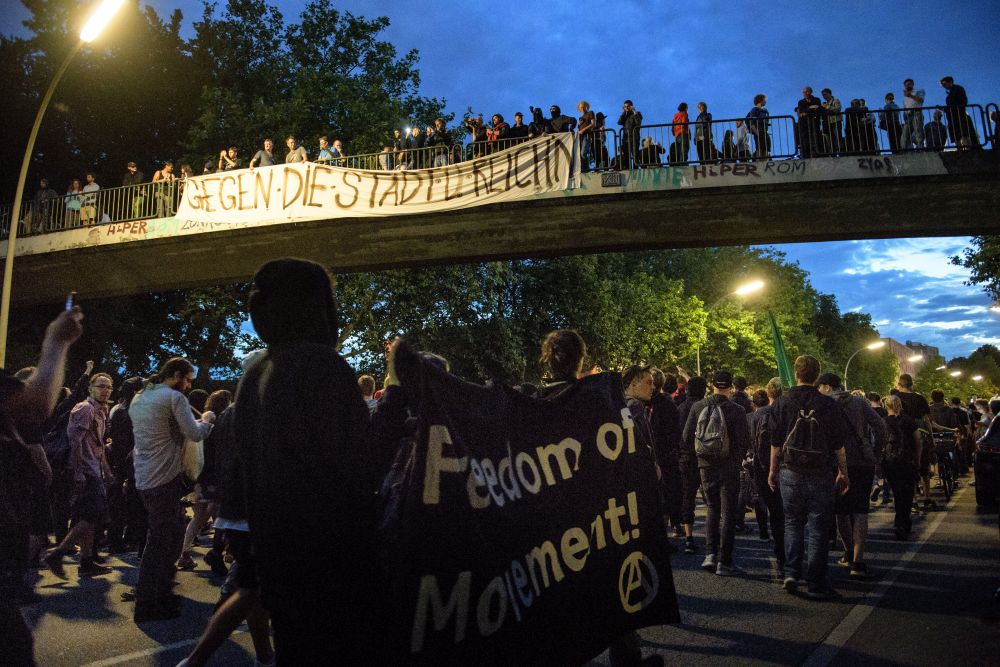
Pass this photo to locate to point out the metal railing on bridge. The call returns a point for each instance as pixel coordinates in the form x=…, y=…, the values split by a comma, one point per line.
x=855, y=131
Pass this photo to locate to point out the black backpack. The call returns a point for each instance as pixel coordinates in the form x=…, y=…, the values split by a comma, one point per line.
x=895, y=447
x=805, y=445
x=711, y=437
x=863, y=440
x=55, y=442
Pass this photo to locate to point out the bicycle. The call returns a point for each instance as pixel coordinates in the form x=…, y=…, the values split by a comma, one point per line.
x=944, y=452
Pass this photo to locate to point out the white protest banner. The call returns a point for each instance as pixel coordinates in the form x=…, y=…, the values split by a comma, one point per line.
x=312, y=191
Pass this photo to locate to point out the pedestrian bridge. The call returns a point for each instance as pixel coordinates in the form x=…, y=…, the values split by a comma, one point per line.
x=760, y=202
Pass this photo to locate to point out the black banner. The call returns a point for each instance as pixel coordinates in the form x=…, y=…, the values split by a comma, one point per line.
x=524, y=531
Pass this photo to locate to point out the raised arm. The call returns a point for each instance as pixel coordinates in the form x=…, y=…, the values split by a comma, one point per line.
x=41, y=390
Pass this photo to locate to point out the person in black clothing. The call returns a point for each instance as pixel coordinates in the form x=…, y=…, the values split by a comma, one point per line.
x=440, y=141
x=477, y=134
x=740, y=396
x=25, y=402
x=121, y=531
x=900, y=462
x=807, y=483
x=539, y=124
x=561, y=122
x=518, y=130
x=967, y=444
x=302, y=433
x=631, y=121
x=720, y=478
x=666, y=443
x=690, y=478
x=915, y=407
x=763, y=435
x=960, y=128
x=809, y=110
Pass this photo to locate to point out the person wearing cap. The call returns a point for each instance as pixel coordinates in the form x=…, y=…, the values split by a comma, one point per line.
x=518, y=130
x=807, y=493
x=560, y=121
x=867, y=435
x=720, y=479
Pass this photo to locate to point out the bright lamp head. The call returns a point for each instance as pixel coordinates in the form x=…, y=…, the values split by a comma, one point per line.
x=100, y=19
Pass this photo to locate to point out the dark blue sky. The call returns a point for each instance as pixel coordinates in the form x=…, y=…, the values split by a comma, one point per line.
x=501, y=57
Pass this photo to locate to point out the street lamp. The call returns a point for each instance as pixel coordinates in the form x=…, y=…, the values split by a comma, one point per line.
x=742, y=290
x=870, y=346
x=915, y=358
x=955, y=374
x=95, y=24
x=940, y=368
x=977, y=378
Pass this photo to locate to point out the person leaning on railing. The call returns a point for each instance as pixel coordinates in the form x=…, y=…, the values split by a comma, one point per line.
x=758, y=123
x=440, y=142
x=88, y=211
x=133, y=179
x=74, y=201
x=585, y=129
x=164, y=179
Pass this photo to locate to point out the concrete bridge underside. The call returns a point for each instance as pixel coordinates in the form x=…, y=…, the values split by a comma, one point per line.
x=963, y=202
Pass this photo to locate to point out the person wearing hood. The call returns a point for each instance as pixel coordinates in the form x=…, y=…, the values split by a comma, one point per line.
x=539, y=124
x=560, y=121
x=694, y=391
x=302, y=430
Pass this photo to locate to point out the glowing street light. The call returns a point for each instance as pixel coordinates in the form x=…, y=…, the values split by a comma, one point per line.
x=100, y=19
x=955, y=374
x=977, y=378
x=875, y=345
x=97, y=22
x=940, y=368
x=742, y=290
x=915, y=358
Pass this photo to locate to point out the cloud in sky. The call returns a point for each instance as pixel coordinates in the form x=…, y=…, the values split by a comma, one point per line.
x=909, y=287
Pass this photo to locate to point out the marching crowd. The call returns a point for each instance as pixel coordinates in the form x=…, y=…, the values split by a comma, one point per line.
x=825, y=127
x=290, y=467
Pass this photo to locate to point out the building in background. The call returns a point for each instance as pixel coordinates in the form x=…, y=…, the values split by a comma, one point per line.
x=906, y=355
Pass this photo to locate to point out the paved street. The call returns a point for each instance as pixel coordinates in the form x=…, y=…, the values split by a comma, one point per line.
x=927, y=602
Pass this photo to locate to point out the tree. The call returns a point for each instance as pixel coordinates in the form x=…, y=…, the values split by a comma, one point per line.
x=983, y=259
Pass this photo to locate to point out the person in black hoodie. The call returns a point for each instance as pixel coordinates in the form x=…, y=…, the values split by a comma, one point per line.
x=539, y=124
x=690, y=480
x=666, y=443
x=740, y=396
x=302, y=436
x=720, y=477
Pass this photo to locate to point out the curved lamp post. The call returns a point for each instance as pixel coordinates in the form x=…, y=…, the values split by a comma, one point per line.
x=95, y=25
x=742, y=290
x=871, y=346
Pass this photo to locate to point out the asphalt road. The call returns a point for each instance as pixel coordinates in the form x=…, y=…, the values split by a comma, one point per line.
x=927, y=601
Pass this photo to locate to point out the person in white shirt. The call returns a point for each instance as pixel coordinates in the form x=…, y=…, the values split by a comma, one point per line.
x=913, y=118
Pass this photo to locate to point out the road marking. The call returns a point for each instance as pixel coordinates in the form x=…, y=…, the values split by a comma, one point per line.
x=824, y=654
x=128, y=657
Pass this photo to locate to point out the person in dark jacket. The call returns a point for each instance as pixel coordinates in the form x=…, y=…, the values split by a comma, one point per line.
x=539, y=124
x=690, y=479
x=120, y=530
x=440, y=141
x=302, y=433
x=666, y=443
x=720, y=478
x=866, y=433
x=631, y=122
x=763, y=435
x=740, y=396
x=960, y=128
x=900, y=461
x=561, y=122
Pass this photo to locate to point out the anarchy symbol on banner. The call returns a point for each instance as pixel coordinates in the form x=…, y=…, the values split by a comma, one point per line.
x=638, y=582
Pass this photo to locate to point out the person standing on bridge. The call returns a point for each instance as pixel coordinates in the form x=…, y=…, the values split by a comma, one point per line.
x=812, y=430
x=265, y=156
x=631, y=122
x=809, y=110
x=833, y=122
x=959, y=124
x=913, y=117
x=759, y=123
x=164, y=178
x=134, y=195
x=296, y=154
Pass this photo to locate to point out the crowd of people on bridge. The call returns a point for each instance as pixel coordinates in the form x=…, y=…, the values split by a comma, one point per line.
x=289, y=469
x=824, y=127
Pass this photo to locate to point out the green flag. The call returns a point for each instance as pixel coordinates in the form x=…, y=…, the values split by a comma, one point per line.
x=781, y=355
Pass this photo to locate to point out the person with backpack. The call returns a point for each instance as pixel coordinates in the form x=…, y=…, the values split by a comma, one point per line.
x=867, y=435
x=717, y=429
x=916, y=408
x=900, y=462
x=120, y=531
x=812, y=430
x=763, y=434
x=694, y=391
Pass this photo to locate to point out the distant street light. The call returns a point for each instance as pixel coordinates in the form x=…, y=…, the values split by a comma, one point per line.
x=940, y=368
x=99, y=20
x=742, y=290
x=977, y=378
x=955, y=374
x=915, y=358
x=870, y=346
